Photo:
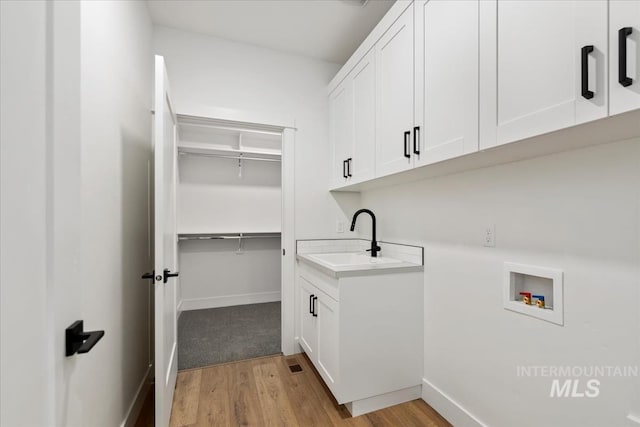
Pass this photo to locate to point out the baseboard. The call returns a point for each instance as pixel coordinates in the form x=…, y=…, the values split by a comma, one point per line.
x=370, y=404
x=451, y=410
x=229, y=300
x=138, y=400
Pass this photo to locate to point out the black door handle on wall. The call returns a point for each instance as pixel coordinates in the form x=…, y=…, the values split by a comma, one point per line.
x=167, y=273
x=585, y=51
x=623, y=33
x=349, y=167
x=79, y=341
x=344, y=168
x=407, y=137
x=311, y=303
x=416, y=140
x=314, y=307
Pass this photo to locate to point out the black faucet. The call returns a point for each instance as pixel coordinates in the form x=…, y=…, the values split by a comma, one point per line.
x=374, y=245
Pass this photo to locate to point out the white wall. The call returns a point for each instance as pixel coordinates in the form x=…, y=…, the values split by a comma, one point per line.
x=578, y=211
x=26, y=377
x=117, y=78
x=209, y=71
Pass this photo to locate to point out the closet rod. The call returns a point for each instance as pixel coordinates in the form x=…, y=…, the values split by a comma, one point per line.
x=238, y=237
x=223, y=156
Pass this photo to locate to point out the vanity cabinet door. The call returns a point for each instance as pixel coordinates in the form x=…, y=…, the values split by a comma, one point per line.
x=328, y=340
x=308, y=322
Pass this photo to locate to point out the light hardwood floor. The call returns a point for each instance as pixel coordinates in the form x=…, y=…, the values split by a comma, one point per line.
x=264, y=392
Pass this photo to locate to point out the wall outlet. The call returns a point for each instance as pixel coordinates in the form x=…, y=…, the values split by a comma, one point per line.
x=340, y=226
x=489, y=237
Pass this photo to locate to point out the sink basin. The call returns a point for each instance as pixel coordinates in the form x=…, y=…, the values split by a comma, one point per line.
x=345, y=259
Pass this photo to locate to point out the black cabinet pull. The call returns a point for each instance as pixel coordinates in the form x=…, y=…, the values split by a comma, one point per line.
x=585, y=51
x=167, y=273
x=344, y=168
x=623, y=33
x=349, y=167
x=311, y=303
x=416, y=140
x=79, y=341
x=314, y=307
x=407, y=137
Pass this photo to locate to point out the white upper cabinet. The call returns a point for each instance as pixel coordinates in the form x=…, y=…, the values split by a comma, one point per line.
x=446, y=107
x=363, y=88
x=624, y=55
x=394, y=96
x=341, y=132
x=353, y=115
x=544, y=66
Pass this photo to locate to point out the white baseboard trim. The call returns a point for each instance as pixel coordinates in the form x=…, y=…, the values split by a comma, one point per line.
x=451, y=410
x=370, y=404
x=138, y=400
x=229, y=300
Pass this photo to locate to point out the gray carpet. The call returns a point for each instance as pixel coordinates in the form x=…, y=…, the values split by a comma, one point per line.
x=226, y=334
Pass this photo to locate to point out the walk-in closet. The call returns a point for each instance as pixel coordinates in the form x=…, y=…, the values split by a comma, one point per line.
x=229, y=222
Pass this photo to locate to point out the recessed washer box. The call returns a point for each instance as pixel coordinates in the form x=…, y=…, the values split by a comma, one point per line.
x=538, y=281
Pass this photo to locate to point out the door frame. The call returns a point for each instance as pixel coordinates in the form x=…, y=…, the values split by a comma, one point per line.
x=287, y=125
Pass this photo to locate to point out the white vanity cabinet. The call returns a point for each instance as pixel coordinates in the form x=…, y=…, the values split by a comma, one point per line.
x=363, y=333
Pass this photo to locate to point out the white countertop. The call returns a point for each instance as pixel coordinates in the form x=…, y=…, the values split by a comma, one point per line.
x=385, y=266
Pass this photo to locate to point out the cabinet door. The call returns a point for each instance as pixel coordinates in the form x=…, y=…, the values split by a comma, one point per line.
x=327, y=355
x=363, y=87
x=394, y=96
x=537, y=70
x=446, y=79
x=624, y=55
x=341, y=134
x=308, y=325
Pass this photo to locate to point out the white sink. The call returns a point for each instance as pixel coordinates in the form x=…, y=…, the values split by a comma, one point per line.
x=346, y=259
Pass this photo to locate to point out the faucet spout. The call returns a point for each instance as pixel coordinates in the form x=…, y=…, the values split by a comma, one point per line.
x=374, y=244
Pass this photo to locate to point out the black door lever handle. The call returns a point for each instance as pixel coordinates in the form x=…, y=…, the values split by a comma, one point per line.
x=79, y=341
x=167, y=273
x=150, y=276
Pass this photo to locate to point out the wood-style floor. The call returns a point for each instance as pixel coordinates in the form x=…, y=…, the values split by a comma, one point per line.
x=264, y=392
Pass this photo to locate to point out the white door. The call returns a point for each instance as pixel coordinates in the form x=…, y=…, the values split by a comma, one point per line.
x=340, y=106
x=166, y=363
x=308, y=313
x=550, y=66
x=328, y=339
x=624, y=55
x=363, y=88
x=446, y=79
x=394, y=96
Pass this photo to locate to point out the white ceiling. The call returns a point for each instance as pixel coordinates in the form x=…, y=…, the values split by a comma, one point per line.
x=330, y=30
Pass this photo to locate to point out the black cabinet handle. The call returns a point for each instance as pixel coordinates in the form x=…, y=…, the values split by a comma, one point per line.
x=150, y=276
x=585, y=51
x=416, y=140
x=344, y=168
x=623, y=33
x=349, y=166
x=167, y=273
x=311, y=303
x=407, y=137
x=79, y=341
x=314, y=307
